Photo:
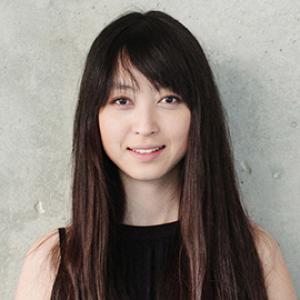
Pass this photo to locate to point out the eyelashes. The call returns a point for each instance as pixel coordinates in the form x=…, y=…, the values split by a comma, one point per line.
x=172, y=97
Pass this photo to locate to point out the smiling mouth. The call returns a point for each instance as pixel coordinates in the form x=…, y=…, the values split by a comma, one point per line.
x=146, y=148
x=147, y=155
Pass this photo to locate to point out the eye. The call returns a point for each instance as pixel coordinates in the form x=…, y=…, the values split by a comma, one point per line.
x=122, y=100
x=170, y=97
x=170, y=100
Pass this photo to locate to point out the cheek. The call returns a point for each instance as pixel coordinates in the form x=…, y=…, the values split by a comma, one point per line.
x=107, y=128
x=181, y=128
x=111, y=131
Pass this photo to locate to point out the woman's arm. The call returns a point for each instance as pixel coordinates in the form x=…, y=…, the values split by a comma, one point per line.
x=37, y=276
x=278, y=280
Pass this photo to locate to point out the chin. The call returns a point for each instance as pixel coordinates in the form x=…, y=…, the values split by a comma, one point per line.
x=142, y=175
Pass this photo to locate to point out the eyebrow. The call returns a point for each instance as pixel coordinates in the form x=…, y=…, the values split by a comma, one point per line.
x=121, y=86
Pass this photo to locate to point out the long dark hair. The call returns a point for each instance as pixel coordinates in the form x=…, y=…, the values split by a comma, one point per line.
x=217, y=257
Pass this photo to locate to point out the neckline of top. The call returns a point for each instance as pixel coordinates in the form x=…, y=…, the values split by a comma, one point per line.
x=149, y=231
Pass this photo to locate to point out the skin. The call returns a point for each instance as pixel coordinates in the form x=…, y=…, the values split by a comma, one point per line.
x=150, y=187
x=146, y=117
x=37, y=275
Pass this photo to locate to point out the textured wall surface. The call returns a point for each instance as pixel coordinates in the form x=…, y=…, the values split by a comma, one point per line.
x=253, y=47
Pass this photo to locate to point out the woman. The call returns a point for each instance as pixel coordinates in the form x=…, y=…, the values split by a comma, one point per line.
x=159, y=223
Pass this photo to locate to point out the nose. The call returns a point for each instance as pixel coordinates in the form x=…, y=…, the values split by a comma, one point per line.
x=145, y=121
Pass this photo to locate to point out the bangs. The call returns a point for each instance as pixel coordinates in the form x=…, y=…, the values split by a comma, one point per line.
x=155, y=51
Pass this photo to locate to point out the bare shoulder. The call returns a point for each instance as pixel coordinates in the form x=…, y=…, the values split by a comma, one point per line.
x=278, y=279
x=266, y=246
x=37, y=274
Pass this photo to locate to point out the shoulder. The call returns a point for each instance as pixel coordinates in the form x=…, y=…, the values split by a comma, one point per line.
x=267, y=247
x=278, y=280
x=37, y=273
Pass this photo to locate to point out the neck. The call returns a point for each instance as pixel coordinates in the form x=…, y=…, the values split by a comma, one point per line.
x=150, y=202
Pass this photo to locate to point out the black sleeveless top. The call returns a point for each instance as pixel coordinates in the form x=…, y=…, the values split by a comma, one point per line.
x=141, y=256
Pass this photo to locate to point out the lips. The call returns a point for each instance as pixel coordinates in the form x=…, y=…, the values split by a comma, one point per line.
x=146, y=147
x=147, y=156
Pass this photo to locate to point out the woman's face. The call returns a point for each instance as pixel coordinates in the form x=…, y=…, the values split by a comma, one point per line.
x=142, y=118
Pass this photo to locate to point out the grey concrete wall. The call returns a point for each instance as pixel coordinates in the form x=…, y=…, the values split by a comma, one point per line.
x=254, y=51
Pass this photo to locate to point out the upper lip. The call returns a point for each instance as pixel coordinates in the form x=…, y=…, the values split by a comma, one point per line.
x=146, y=147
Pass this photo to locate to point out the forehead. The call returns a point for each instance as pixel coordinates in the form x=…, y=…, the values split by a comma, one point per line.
x=127, y=77
x=132, y=80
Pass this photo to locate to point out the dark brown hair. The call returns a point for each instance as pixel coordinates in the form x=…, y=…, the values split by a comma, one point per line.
x=217, y=258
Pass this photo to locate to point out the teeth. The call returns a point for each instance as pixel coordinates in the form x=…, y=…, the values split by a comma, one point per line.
x=145, y=151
